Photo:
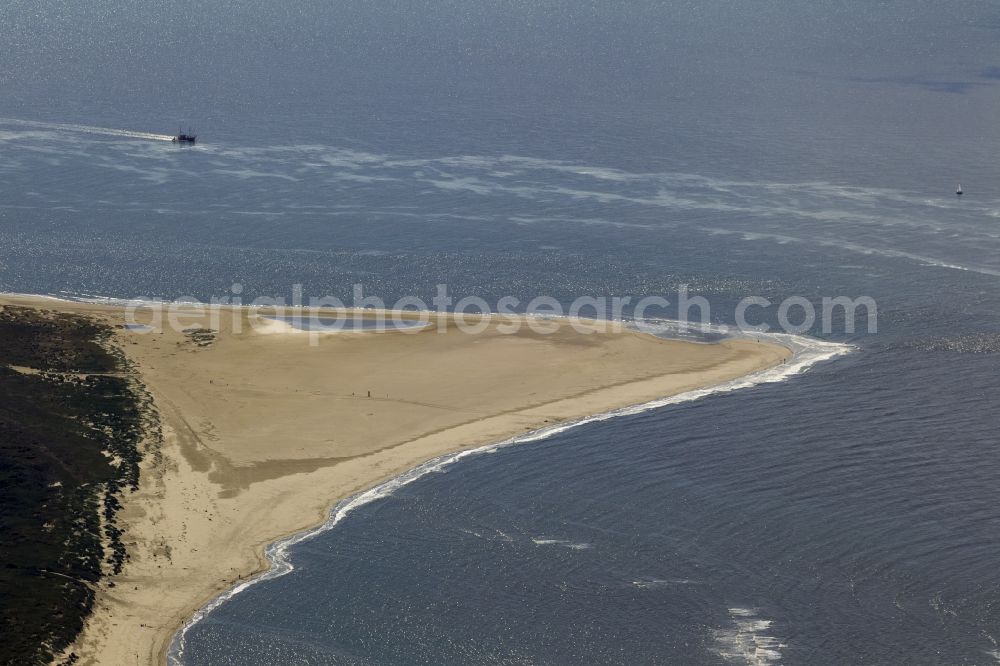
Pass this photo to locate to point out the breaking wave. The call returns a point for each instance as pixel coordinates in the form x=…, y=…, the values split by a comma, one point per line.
x=748, y=640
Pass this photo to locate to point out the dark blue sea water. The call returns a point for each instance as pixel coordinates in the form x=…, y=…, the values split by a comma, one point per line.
x=846, y=515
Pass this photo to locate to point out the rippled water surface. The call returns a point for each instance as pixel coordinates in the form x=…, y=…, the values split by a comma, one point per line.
x=845, y=515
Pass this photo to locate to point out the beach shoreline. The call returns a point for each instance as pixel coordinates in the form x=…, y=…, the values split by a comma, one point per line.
x=259, y=443
x=278, y=558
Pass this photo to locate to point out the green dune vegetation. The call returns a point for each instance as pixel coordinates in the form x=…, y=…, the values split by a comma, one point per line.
x=73, y=422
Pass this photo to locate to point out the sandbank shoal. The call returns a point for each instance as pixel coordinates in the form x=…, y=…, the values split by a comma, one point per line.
x=264, y=432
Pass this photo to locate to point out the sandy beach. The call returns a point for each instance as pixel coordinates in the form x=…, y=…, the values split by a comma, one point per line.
x=263, y=432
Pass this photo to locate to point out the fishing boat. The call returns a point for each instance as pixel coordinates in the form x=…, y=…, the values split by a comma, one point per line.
x=959, y=190
x=184, y=137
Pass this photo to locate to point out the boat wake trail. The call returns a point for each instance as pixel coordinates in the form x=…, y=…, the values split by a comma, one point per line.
x=86, y=129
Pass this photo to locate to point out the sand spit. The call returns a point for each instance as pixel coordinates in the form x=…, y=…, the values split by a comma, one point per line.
x=265, y=430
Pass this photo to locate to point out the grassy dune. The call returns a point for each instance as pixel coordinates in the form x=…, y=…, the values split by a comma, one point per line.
x=71, y=424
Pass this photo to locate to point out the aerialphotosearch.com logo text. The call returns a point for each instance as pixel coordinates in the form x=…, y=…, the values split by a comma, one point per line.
x=473, y=314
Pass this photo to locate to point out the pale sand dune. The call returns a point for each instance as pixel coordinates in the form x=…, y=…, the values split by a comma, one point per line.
x=264, y=432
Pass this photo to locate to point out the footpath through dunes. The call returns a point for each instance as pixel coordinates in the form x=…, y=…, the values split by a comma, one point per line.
x=72, y=423
x=264, y=431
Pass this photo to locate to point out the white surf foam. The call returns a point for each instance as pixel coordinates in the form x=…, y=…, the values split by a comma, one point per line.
x=48, y=297
x=657, y=583
x=748, y=640
x=994, y=652
x=565, y=543
x=854, y=247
